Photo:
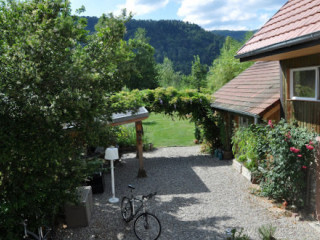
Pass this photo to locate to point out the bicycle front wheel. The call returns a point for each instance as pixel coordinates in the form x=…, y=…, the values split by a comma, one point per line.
x=126, y=209
x=147, y=227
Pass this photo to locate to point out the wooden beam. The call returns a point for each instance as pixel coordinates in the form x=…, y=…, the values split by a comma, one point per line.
x=139, y=134
x=129, y=121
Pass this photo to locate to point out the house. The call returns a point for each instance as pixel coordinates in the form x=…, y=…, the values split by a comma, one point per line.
x=251, y=97
x=292, y=36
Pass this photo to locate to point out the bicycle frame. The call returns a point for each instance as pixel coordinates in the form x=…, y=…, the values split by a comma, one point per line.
x=28, y=233
x=134, y=210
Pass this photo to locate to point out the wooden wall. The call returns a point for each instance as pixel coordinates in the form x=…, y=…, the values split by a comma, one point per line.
x=307, y=113
x=273, y=114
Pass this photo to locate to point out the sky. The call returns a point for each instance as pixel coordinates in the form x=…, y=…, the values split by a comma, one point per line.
x=209, y=14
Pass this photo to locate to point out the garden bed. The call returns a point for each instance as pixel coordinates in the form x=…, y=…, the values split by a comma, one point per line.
x=240, y=168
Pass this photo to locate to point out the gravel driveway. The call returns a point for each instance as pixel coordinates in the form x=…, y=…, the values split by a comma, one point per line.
x=198, y=198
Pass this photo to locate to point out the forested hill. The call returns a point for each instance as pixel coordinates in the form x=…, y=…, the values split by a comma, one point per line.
x=179, y=41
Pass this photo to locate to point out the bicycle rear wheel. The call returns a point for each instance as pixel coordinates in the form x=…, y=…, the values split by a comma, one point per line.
x=147, y=227
x=31, y=236
x=126, y=209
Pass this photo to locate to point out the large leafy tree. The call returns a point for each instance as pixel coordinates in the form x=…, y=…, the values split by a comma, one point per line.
x=142, y=72
x=198, y=73
x=53, y=76
x=226, y=67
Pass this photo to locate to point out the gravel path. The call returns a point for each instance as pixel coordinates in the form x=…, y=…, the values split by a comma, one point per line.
x=198, y=198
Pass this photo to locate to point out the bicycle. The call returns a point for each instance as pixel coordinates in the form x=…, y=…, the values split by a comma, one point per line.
x=40, y=236
x=146, y=225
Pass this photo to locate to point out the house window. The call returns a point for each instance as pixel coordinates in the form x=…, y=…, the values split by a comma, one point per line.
x=244, y=122
x=304, y=83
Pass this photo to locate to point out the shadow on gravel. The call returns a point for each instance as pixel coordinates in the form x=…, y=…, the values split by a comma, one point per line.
x=174, y=178
x=186, y=226
x=168, y=176
x=178, y=181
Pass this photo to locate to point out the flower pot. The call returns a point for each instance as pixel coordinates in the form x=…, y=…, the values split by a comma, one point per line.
x=97, y=183
x=227, y=155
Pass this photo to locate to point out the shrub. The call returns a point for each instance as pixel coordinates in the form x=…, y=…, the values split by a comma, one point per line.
x=266, y=232
x=126, y=136
x=281, y=154
x=291, y=148
x=248, y=145
x=235, y=234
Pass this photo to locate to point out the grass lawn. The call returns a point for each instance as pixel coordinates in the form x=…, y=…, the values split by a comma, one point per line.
x=163, y=131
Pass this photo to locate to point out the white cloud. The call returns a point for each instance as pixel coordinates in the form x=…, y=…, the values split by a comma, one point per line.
x=228, y=14
x=141, y=7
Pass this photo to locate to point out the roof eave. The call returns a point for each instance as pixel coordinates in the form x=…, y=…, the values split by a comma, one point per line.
x=308, y=40
x=236, y=111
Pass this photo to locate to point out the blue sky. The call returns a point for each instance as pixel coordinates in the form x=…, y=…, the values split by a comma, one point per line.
x=209, y=14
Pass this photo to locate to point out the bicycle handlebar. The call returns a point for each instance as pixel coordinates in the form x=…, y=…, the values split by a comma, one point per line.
x=149, y=196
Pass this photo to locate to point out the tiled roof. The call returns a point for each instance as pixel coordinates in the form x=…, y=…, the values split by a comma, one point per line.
x=295, y=19
x=253, y=91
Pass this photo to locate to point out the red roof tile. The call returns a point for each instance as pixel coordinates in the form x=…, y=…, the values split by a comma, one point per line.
x=253, y=91
x=295, y=19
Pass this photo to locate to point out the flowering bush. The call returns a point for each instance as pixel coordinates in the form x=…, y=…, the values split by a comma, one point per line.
x=292, y=151
x=282, y=153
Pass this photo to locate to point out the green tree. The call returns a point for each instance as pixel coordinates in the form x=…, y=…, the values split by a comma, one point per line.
x=142, y=73
x=198, y=72
x=54, y=83
x=167, y=76
x=226, y=67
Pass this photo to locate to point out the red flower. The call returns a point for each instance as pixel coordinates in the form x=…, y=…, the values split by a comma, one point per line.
x=304, y=167
x=294, y=150
x=288, y=135
x=299, y=155
x=270, y=124
x=311, y=143
x=309, y=147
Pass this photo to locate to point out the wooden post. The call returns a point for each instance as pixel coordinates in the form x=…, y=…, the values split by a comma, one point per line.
x=139, y=132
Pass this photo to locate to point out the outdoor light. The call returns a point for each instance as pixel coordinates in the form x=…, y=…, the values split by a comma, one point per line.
x=112, y=154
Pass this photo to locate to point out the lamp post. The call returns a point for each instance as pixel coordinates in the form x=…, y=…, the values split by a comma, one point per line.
x=112, y=154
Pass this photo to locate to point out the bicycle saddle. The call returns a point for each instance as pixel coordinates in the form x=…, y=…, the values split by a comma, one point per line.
x=130, y=186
